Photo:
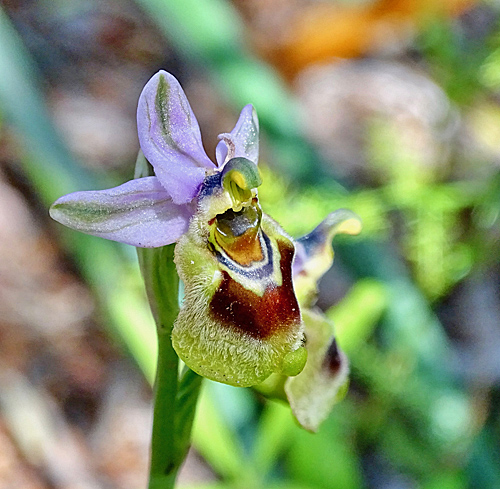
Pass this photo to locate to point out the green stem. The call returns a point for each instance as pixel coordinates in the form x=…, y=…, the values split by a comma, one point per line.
x=164, y=465
x=174, y=403
x=187, y=399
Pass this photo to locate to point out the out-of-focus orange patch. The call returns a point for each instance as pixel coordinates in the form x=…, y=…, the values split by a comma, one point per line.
x=324, y=31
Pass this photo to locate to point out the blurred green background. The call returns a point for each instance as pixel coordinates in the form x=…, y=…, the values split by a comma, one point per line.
x=388, y=107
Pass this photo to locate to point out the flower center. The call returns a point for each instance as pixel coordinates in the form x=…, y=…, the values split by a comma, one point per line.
x=237, y=233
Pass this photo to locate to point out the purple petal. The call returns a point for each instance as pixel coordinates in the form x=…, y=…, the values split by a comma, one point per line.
x=139, y=212
x=242, y=141
x=170, y=137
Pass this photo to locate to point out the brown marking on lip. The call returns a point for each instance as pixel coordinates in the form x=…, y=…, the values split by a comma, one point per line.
x=244, y=249
x=259, y=317
x=333, y=359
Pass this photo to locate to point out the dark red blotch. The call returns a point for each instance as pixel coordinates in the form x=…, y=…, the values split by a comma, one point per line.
x=260, y=317
x=333, y=360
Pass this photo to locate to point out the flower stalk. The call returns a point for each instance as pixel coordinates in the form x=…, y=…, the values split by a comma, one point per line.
x=174, y=399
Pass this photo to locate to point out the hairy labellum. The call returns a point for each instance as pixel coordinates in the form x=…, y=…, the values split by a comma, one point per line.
x=240, y=320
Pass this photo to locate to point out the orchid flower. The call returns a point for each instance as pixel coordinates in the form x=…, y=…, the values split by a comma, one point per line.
x=240, y=320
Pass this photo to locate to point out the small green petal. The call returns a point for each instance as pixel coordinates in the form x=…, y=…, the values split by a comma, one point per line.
x=323, y=382
x=316, y=253
x=239, y=177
